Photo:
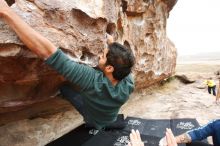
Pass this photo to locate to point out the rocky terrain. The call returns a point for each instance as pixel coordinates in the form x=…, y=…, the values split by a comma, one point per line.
x=170, y=99
x=175, y=99
x=79, y=29
x=31, y=111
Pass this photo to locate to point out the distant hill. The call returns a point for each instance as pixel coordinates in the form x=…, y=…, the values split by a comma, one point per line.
x=210, y=56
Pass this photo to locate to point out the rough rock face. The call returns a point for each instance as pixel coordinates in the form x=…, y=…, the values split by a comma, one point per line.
x=78, y=28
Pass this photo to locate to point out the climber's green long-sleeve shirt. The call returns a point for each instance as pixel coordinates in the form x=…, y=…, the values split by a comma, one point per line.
x=102, y=100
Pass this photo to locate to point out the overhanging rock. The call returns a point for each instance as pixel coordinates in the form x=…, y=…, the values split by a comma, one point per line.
x=78, y=28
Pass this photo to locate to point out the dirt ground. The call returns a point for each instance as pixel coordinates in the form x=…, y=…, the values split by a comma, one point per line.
x=177, y=100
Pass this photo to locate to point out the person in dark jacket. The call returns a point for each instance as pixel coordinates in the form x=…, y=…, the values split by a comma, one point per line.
x=210, y=129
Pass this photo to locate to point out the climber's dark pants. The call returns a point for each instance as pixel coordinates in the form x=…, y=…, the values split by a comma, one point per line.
x=212, y=89
x=76, y=100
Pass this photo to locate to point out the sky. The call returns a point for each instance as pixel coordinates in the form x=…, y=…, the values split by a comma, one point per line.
x=194, y=26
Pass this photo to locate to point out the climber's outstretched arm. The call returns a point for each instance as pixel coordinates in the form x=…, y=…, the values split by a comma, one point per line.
x=32, y=39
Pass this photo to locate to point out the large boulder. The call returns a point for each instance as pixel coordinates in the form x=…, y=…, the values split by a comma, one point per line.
x=78, y=28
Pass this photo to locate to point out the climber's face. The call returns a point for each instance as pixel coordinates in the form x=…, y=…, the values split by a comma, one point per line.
x=103, y=59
